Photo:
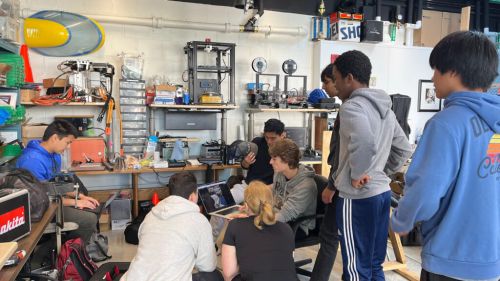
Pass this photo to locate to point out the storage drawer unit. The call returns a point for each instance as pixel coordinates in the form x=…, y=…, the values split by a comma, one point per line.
x=134, y=116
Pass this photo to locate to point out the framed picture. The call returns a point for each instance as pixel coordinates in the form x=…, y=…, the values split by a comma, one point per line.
x=427, y=100
x=8, y=98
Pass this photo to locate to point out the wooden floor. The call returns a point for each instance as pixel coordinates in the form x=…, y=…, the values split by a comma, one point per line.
x=122, y=251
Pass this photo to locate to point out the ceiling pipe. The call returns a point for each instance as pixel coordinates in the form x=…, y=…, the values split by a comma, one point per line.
x=159, y=22
x=411, y=27
x=378, y=14
x=486, y=16
x=409, y=12
x=477, y=19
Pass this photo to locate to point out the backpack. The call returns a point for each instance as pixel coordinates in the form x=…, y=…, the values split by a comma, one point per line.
x=74, y=262
x=97, y=247
x=132, y=230
x=23, y=179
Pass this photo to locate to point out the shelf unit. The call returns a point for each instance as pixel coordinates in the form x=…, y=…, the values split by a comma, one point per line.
x=8, y=47
x=198, y=107
x=222, y=52
x=308, y=111
x=66, y=104
x=13, y=48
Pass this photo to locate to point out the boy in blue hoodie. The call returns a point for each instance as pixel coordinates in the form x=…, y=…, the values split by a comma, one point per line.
x=372, y=146
x=453, y=182
x=43, y=160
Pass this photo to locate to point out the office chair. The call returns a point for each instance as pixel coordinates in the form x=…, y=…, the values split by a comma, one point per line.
x=313, y=237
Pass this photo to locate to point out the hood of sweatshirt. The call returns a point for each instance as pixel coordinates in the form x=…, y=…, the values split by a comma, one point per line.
x=304, y=172
x=378, y=98
x=173, y=206
x=35, y=146
x=486, y=106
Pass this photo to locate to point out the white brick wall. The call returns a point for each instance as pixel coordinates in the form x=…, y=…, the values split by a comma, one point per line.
x=163, y=49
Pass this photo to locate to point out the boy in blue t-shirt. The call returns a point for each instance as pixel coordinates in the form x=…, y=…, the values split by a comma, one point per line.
x=453, y=183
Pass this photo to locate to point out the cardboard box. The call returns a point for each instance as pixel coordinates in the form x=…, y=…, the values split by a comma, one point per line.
x=49, y=82
x=33, y=132
x=28, y=94
x=346, y=27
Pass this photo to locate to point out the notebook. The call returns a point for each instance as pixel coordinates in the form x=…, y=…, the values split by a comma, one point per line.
x=217, y=199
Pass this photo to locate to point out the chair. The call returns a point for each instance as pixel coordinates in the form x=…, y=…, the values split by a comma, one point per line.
x=313, y=236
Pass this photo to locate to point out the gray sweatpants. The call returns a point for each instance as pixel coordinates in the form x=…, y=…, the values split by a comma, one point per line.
x=87, y=222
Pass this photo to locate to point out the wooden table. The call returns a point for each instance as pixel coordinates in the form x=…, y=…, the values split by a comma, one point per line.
x=136, y=172
x=29, y=242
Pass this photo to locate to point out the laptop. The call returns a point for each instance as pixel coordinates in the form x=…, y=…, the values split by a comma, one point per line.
x=217, y=199
x=99, y=209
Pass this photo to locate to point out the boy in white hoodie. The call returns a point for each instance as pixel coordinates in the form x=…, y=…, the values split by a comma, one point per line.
x=175, y=238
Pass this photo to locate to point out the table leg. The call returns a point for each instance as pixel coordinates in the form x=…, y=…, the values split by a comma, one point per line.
x=251, y=123
x=135, y=193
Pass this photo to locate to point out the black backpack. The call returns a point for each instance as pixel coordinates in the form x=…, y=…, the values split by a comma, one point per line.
x=132, y=230
x=23, y=179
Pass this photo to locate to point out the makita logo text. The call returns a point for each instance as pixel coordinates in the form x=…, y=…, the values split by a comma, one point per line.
x=11, y=220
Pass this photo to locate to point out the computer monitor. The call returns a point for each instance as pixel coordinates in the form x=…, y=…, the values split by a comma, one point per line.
x=297, y=135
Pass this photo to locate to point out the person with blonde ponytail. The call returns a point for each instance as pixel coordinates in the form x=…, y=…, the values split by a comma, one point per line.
x=258, y=247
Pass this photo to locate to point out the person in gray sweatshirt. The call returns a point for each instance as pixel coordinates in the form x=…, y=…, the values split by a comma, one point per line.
x=294, y=188
x=372, y=146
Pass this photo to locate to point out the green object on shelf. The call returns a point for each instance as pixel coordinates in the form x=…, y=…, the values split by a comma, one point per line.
x=12, y=150
x=15, y=77
x=16, y=115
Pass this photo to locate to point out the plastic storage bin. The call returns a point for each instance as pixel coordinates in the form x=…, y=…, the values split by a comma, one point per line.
x=134, y=125
x=133, y=109
x=132, y=93
x=135, y=133
x=134, y=117
x=136, y=141
x=139, y=84
x=132, y=101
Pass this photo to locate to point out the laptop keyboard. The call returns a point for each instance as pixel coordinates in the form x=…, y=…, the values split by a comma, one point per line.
x=229, y=211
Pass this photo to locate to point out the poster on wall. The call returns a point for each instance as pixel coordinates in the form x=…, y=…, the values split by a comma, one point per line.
x=427, y=100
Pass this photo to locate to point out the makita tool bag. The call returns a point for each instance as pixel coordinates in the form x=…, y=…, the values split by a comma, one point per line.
x=15, y=220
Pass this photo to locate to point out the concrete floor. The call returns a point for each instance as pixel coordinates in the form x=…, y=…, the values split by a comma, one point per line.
x=122, y=251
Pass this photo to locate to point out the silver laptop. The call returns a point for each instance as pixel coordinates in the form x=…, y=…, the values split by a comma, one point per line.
x=217, y=199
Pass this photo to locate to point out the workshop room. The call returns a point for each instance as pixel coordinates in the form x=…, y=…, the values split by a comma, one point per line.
x=250, y=140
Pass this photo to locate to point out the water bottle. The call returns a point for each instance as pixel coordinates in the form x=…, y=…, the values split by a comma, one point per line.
x=151, y=147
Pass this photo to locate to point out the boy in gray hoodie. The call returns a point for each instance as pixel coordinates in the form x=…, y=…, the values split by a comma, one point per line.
x=294, y=188
x=372, y=146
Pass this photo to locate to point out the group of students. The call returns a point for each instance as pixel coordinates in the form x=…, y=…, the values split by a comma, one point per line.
x=257, y=244
x=452, y=185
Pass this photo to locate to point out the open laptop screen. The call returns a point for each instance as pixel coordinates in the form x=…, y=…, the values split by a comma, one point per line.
x=215, y=196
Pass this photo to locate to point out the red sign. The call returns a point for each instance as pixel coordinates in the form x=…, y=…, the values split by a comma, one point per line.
x=12, y=220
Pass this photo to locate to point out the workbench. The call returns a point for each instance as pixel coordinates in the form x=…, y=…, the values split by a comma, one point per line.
x=136, y=172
